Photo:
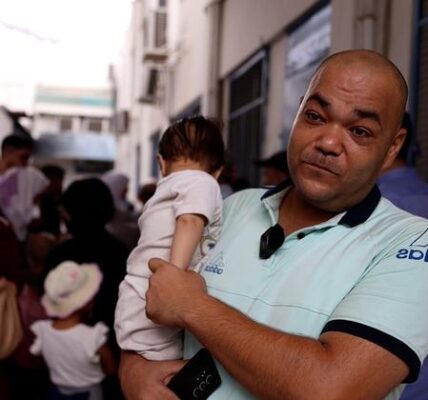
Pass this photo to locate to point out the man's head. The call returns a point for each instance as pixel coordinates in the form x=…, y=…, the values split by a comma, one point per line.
x=348, y=128
x=194, y=139
x=274, y=168
x=88, y=206
x=16, y=151
x=55, y=174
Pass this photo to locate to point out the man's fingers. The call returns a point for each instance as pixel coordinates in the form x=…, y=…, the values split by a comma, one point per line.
x=173, y=367
x=156, y=263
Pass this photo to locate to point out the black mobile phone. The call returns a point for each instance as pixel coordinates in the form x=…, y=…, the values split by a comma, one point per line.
x=198, y=379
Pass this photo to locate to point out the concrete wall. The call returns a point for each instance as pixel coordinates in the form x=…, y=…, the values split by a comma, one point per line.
x=249, y=25
x=246, y=27
x=6, y=125
x=189, y=64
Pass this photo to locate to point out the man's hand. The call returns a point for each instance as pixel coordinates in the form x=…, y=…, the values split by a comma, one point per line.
x=143, y=380
x=172, y=292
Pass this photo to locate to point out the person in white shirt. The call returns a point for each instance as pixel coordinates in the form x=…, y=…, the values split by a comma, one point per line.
x=180, y=223
x=77, y=355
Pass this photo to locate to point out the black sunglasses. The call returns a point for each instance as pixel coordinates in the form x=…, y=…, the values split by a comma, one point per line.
x=271, y=241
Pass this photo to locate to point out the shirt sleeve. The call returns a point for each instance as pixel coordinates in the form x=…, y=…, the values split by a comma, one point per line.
x=389, y=304
x=96, y=339
x=36, y=347
x=197, y=195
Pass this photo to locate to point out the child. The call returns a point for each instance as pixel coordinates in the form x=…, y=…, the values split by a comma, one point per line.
x=180, y=223
x=76, y=354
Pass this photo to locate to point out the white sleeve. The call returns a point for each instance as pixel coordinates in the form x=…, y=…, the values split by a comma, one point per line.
x=37, y=328
x=199, y=195
x=97, y=336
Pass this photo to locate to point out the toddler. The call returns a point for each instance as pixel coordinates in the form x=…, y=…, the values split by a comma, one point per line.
x=76, y=354
x=180, y=223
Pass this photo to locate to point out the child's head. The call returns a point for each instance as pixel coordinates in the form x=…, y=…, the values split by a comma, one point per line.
x=197, y=140
x=70, y=287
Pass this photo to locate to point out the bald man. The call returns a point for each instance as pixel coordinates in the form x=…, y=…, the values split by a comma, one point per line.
x=316, y=289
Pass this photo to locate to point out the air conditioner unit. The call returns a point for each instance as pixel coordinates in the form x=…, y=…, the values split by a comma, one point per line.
x=156, y=41
x=149, y=86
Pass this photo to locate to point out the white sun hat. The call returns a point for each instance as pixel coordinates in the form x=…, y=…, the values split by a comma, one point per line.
x=69, y=287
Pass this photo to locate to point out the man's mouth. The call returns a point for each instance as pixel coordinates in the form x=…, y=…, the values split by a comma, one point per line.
x=329, y=167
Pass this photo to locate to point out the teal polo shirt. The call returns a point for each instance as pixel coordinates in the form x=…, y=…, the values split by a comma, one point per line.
x=363, y=272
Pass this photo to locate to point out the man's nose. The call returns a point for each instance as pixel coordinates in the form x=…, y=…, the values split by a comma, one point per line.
x=330, y=140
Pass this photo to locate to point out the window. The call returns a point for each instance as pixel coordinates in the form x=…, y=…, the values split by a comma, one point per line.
x=420, y=88
x=308, y=44
x=154, y=141
x=65, y=124
x=246, y=116
x=95, y=125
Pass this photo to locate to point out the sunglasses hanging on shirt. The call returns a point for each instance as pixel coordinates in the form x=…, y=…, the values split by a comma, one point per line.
x=271, y=241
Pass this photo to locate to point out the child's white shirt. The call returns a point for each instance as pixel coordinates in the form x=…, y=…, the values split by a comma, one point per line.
x=70, y=354
x=184, y=192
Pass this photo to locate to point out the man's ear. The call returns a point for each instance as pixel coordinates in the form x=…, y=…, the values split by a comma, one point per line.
x=394, y=148
x=162, y=164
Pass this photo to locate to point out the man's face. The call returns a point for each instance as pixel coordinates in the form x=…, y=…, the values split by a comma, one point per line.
x=16, y=157
x=345, y=131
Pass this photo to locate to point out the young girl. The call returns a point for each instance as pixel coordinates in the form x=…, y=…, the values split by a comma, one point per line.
x=180, y=223
x=76, y=354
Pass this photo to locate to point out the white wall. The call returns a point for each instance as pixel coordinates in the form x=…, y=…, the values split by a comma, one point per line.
x=191, y=46
x=6, y=124
x=250, y=24
x=247, y=26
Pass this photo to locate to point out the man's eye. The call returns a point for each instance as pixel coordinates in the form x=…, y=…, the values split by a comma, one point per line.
x=360, y=132
x=312, y=116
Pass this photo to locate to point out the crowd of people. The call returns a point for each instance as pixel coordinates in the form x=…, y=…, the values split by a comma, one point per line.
x=313, y=286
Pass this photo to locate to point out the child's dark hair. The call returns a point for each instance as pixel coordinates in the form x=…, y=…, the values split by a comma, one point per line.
x=196, y=138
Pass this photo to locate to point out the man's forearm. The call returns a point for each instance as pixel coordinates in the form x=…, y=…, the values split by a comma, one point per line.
x=269, y=363
x=266, y=362
x=275, y=365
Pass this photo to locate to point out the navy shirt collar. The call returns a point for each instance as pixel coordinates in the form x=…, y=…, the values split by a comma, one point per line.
x=354, y=216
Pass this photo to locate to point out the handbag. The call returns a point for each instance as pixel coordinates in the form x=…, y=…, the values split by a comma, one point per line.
x=10, y=321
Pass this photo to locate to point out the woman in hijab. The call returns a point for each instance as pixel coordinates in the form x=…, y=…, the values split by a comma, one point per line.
x=20, y=188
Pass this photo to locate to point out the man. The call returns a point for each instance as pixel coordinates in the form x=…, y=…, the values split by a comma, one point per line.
x=401, y=183
x=336, y=310
x=274, y=169
x=16, y=151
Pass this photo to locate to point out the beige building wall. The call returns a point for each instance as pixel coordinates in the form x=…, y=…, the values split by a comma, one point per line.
x=189, y=63
x=246, y=27
x=249, y=25
x=275, y=102
x=400, y=44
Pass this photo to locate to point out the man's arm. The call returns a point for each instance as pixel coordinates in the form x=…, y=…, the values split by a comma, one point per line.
x=269, y=363
x=187, y=234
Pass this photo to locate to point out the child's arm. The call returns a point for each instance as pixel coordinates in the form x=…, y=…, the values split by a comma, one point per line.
x=108, y=363
x=187, y=234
